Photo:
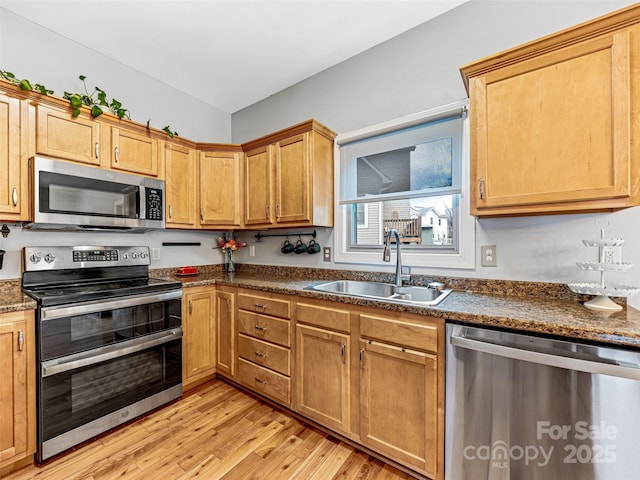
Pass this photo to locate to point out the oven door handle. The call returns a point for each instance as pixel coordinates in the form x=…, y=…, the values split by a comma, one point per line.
x=570, y=363
x=108, y=352
x=84, y=308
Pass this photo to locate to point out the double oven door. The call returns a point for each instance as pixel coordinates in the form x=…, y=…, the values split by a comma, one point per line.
x=103, y=363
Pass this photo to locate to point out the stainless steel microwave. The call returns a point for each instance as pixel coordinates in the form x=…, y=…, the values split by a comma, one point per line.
x=68, y=196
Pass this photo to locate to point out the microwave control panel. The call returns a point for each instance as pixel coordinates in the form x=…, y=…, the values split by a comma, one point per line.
x=153, y=203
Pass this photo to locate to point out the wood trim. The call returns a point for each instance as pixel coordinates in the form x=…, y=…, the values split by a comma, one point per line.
x=304, y=127
x=584, y=31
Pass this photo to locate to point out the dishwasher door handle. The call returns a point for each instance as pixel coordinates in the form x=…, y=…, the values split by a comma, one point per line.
x=560, y=361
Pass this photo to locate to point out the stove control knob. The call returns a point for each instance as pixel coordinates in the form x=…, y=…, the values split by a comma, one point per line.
x=143, y=255
x=125, y=256
x=35, y=257
x=49, y=257
x=134, y=255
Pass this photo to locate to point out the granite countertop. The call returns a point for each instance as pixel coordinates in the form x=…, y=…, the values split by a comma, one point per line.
x=536, y=308
x=12, y=299
x=536, y=314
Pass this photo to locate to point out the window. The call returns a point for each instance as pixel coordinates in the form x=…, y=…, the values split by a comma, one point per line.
x=406, y=175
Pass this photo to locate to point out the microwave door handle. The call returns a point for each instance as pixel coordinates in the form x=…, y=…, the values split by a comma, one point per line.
x=140, y=205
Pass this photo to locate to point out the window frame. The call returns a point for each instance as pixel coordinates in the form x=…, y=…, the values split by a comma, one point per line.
x=463, y=257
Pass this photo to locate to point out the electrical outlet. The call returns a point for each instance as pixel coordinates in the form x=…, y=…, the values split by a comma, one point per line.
x=326, y=254
x=155, y=254
x=252, y=250
x=489, y=256
x=608, y=254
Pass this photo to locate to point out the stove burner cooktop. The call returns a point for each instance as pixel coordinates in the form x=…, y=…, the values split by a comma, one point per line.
x=57, y=295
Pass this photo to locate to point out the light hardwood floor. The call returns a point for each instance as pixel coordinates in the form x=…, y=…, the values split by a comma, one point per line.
x=214, y=432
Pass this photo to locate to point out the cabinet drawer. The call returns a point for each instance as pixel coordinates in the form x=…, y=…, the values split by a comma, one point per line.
x=265, y=328
x=422, y=337
x=264, y=305
x=331, y=318
x=264, y=381
x=265, y=354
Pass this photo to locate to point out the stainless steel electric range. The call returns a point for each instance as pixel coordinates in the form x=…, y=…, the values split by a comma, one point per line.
x=108, y=340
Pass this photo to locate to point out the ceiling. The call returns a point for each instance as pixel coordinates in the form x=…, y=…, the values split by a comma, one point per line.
x=229, y=53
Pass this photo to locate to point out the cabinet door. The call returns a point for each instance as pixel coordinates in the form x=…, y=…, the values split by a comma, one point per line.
x=220, y=184
x=60, y=135
x=398, y=394
x=258, y=175
x=180, y=183
x=322, y=376
x=15, y=342
x=13, y=162
x=225, y=333
x=198, y=322
x=292, y=187
x=553, y=129
x=134, y=152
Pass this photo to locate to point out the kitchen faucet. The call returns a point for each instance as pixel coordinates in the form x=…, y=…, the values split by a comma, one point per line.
x=386, y=255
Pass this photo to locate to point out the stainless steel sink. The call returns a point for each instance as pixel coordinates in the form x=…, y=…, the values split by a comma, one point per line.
x=384, y=291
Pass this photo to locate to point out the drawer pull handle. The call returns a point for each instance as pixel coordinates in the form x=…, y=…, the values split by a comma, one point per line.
x=259, y=305
x=260, y=328
x=260, y=380
x=261, y=355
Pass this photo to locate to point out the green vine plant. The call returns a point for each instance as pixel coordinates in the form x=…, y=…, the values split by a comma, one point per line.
x=24, y=84
x=97, y=100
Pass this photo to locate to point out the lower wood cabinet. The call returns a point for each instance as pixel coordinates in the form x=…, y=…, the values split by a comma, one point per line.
x=264, y=344
x=398, y=409
x=198, y=341
x=373, y=376
x=323, y=385
x=17, y=388
x=225, y=318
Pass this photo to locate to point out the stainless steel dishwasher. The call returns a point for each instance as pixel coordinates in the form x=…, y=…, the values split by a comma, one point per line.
x=524, y=407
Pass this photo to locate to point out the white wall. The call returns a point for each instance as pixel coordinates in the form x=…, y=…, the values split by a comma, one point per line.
x=170, y=256
x=42, y=56
x=419, y=70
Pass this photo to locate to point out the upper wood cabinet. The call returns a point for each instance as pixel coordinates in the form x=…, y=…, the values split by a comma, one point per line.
x=14, y=185
x=134, y=152
x=17, y=387
x=220, y=187
x=289, y=178
x=60, y=135
x=554, y=123
x=180, y=180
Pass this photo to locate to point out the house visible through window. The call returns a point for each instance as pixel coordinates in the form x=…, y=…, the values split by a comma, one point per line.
x=407, y=178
